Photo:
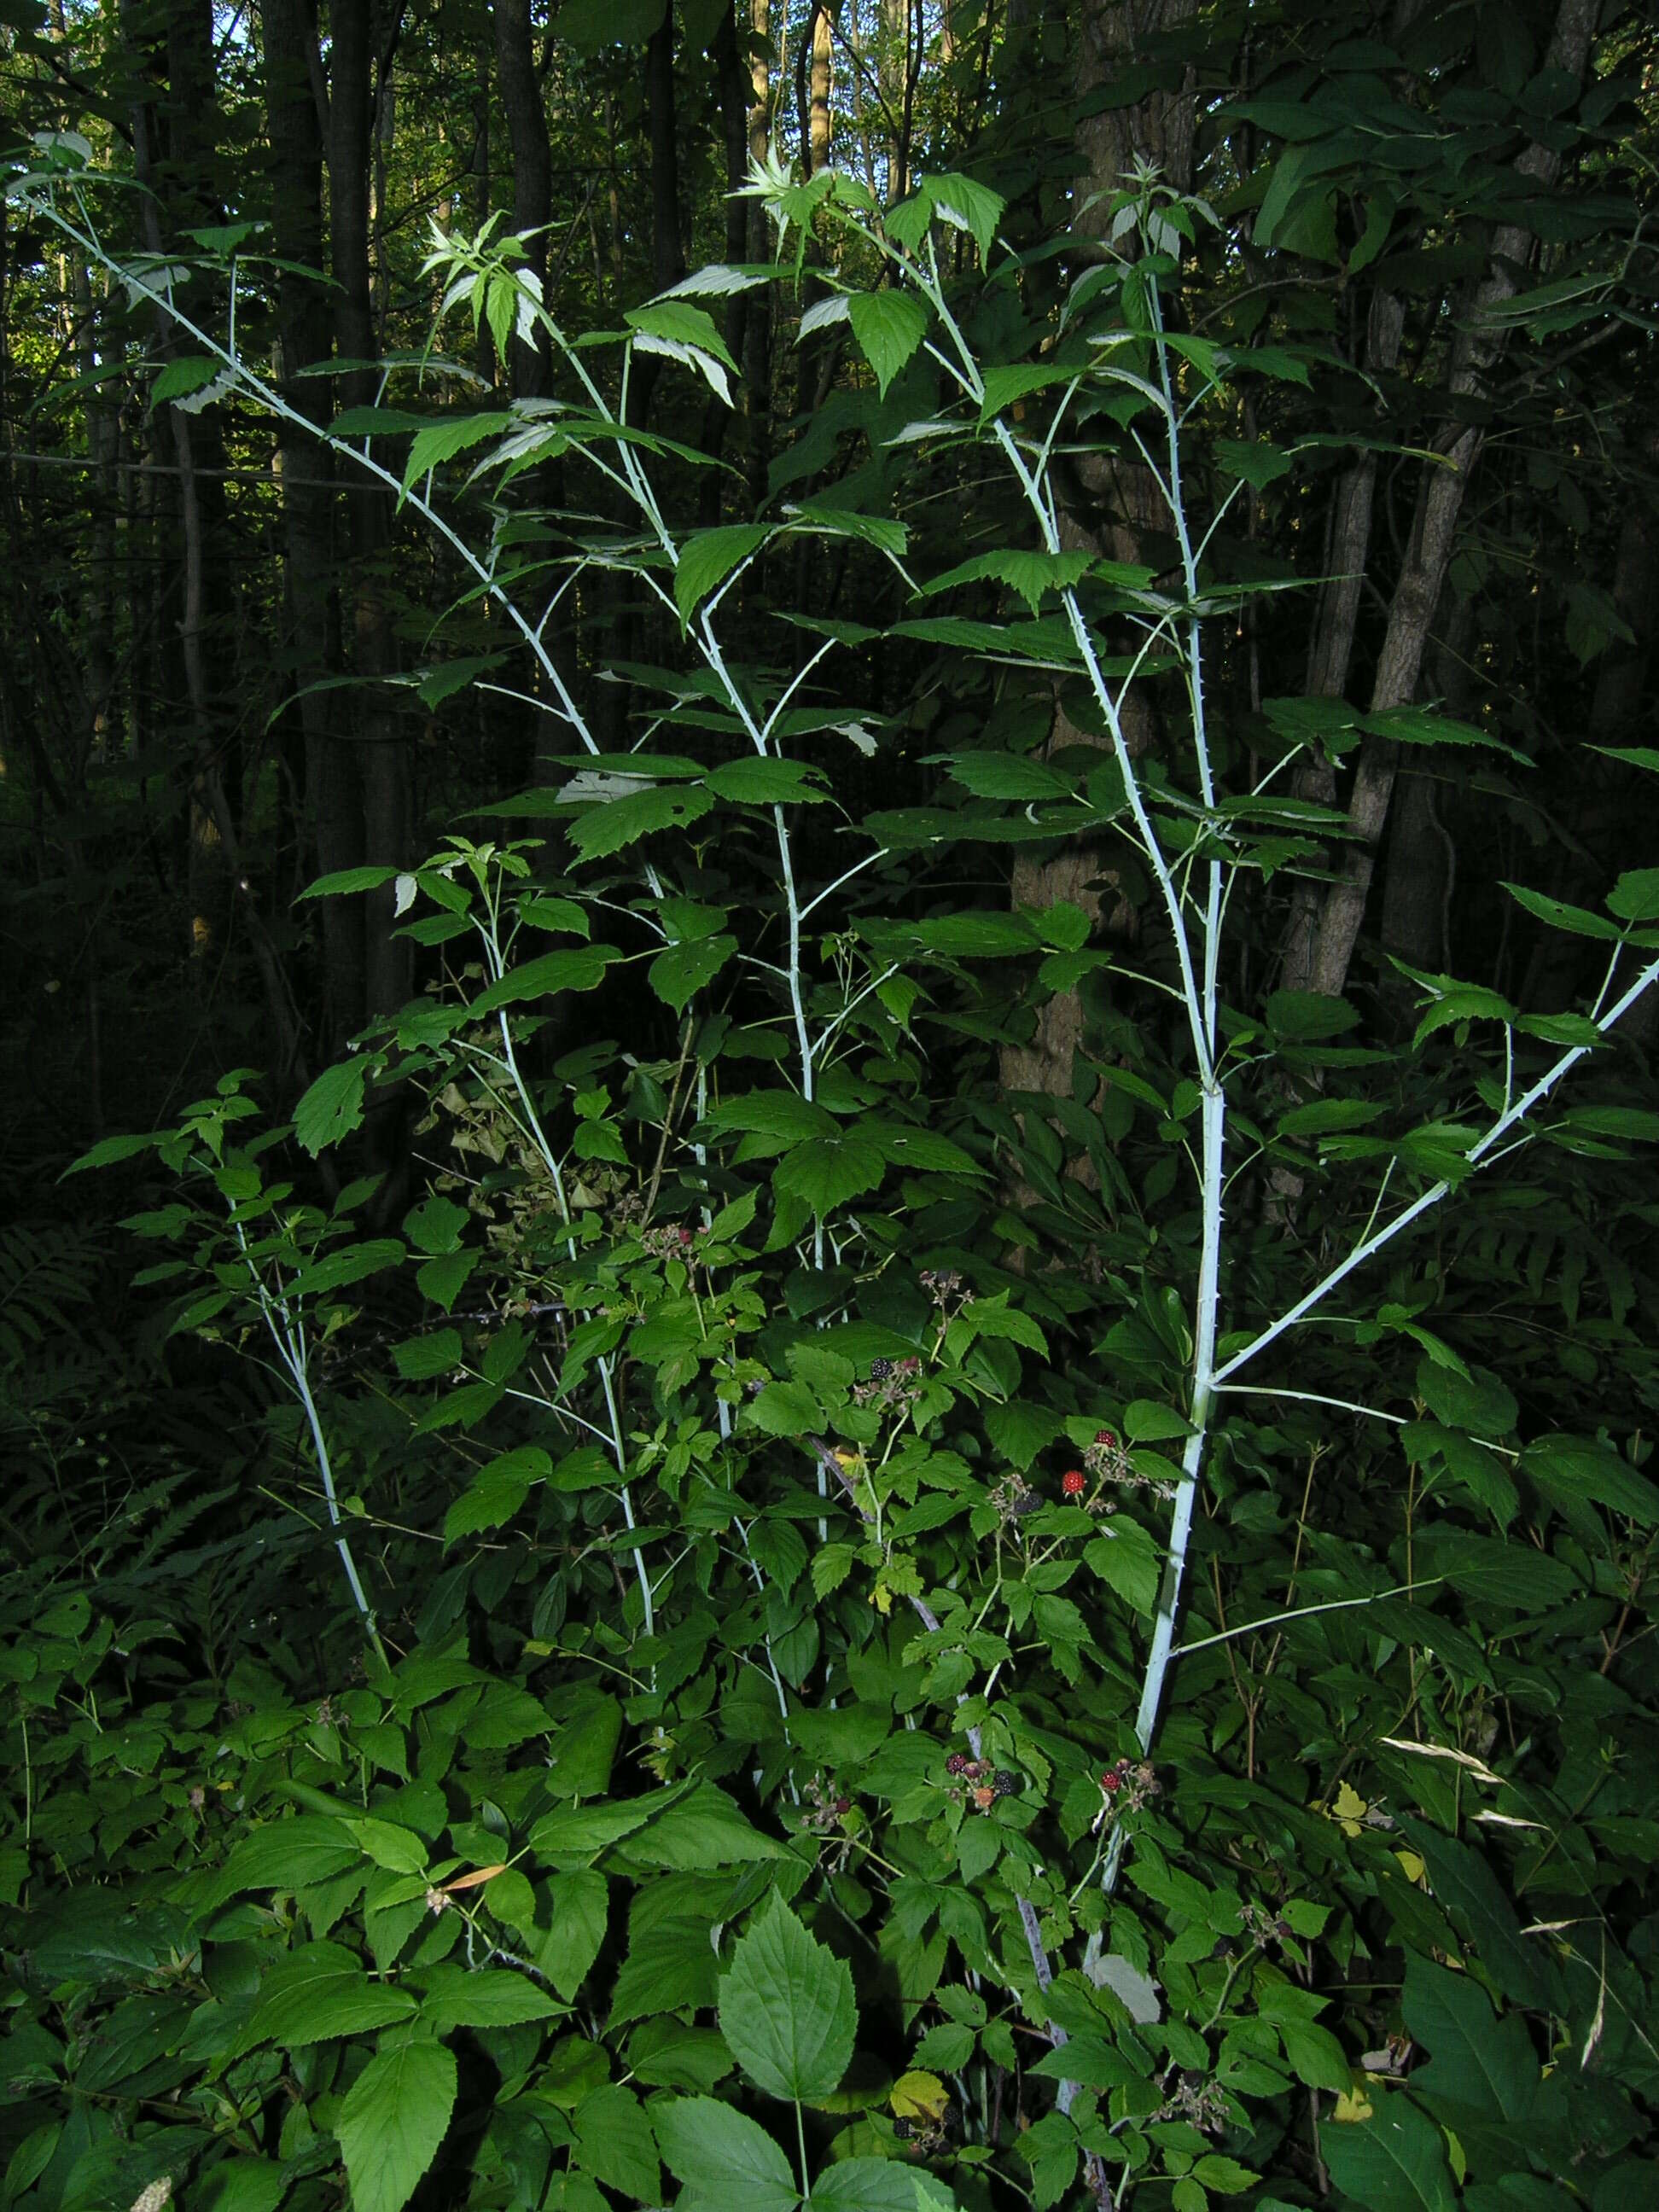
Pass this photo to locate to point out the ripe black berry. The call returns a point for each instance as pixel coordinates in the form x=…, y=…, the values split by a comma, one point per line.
x=1007, y=1784
x=880, y=1370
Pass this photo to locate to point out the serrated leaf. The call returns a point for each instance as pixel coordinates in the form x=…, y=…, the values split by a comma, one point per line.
x=622, y=821
x=490, y=1997
x=965, y=204
x=443, y=439
x=1395, y=2159
x=319, y=1991
x=394, y=2116
x=829, y=1170
x=889, y=327
x=496, y=1491
x=831, y=1564
x=758, y=782
x=867, y=2185
x=1635, y=897
x=722, y=2156
x=710, y=557
x=332, y=1107
x=682, y=324
x=574, y=967
x=786, y=2009
x=679, y=972
x=179, y=377
x=338, y=1270
x=1028, y=575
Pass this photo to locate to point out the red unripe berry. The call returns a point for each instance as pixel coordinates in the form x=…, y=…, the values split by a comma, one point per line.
x=1111, y=1782
x=1073, y=1482
x=1107, y=1437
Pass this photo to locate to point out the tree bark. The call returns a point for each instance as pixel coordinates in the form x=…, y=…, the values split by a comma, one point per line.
x=532, y=172
x=381, y=751
x=329, y=806
x=1475, y=353
x=758, y=330
x=1116, y=508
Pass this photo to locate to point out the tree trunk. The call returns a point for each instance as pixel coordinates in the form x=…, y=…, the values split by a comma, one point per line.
x=330, y=808
x=1115, y=507
x=731, y=82
x=532, y=172
x=1475, y=353
x=382, y=759
x=757, y=331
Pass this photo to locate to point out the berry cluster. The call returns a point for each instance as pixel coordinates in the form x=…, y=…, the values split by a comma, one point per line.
x=1129, y=1785
x=985, y=1783
x=1014, y=1499
x=824, y=1813
x=1107, y=1460
x=668, y=1242
x=892, y=1383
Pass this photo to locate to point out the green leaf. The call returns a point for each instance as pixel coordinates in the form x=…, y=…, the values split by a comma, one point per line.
x=491, y=1997
x=680, y=971
x=607, y=827
x=682, y=324
x=1394, y=2162
x=394, y=2116
x=398, y=1850
x=1635, y=897
x=708, y=558
x=1257, y=463
x=1583, y=1471
x=1572, y=919
x=1476, y=2058
x=422, y=1357
x=756, y=783
x=348, y=1264
x=288, y=1854
x=576, y=968
x=701, y=1829
x=1028, y=575
x=496, y=1491
x=867, y=2185
x=441, y=440
x=787, y=2008
x=614, y=2144
x=180, y=377
x=1519, y=1966
x=1124, y=1559
x=584, y=1747
x=723, y=2158
x=965, y=204
x=581, y=1904
x=829, y=1170
x=889, y=327
x=332, y=1107
x=319, y=1991
x=241, y=2184
x=110, y=1151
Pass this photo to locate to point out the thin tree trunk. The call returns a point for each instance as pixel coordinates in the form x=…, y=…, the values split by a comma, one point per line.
x=757, y=334
x=532, y=171
x=382, y=764
x=731, y=80
x=331, y=810
x=1114, y=507
x=1476, y=352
